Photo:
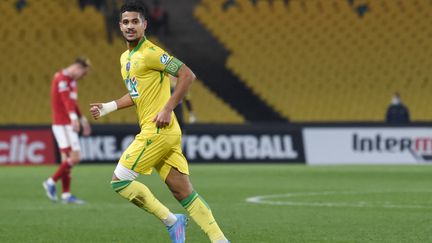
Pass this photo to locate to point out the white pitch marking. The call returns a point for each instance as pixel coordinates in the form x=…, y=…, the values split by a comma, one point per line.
x=272, y=200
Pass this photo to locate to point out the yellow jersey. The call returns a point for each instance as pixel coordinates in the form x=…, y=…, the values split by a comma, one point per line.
x=145, y=72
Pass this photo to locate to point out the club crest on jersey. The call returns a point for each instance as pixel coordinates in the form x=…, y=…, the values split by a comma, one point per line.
x=164, y=58
x=131, y=84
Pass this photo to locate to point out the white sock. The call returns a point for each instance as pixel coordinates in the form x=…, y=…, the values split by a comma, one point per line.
x=66, y=195
x=50, y=181
x=170, y=221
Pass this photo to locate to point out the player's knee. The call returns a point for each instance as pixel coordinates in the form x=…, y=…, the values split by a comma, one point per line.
x=180, y=193
x=180, y=187
x=121, y=178
x=114, y=177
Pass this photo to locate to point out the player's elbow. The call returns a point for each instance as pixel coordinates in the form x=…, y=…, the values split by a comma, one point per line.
x=192, y=76
x=186, y=74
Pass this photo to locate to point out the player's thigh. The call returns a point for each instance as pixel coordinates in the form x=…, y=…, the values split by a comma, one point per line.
x=143, y=153
x=67, y=139
x=173, y=159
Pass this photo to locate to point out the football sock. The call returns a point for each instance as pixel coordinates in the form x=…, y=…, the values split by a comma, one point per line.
x=141, y=196
x=200, y=212
x=66, y=180
x=61, y=169
x=66, y=195
x=50, y=181
x=170, y=221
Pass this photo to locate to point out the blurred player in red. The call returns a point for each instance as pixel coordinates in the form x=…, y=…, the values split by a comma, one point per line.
x=67, y=122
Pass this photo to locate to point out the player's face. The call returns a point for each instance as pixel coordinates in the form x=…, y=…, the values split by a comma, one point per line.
x=132, y=26
x=81, y=72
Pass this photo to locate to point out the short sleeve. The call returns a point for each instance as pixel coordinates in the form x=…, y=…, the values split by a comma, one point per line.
x=160, y=60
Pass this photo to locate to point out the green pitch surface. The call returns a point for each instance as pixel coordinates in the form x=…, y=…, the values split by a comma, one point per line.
x=288, y=203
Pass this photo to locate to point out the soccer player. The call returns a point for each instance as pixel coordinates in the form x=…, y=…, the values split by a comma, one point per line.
x=67, y=121
x=145, y=69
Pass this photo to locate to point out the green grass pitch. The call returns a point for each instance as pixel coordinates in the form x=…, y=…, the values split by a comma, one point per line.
x=315, y=204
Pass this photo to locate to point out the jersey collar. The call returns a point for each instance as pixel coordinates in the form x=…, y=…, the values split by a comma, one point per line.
x=137, y=47
x=66, y=73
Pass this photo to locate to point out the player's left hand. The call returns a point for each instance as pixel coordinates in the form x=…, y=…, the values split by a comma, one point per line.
x=163, y=118
x=86, y=129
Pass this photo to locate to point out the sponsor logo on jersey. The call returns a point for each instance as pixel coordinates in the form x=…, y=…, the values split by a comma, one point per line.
x=131, y=84
x=164, y=58
x=63, y=86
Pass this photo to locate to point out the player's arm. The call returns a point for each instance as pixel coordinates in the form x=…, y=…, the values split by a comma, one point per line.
x=184, y=82
x=161, y=61
x=185, y=77
x=98, y=110
x=86, y=129
x=70, y=104
x=186, y=100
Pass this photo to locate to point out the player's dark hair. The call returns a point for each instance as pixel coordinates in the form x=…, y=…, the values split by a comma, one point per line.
x=83, y=61
x=134, y=6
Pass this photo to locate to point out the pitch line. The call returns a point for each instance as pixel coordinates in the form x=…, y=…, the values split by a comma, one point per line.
x=275, y=199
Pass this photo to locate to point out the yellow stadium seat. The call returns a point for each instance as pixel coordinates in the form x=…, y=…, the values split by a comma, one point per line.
x=56, y=47
x=320, y=60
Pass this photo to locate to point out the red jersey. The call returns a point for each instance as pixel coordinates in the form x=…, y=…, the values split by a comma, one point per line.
x=64, y=95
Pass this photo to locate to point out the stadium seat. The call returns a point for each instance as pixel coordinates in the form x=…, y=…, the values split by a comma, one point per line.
x=69, y=35
x=321, y=60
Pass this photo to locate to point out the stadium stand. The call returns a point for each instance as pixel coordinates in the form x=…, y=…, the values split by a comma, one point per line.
x=27, y=63
x=328, y=60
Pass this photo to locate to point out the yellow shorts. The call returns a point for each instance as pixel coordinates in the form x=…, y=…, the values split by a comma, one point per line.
x=157, y=151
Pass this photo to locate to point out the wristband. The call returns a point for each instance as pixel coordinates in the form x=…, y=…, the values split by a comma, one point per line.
x=107, y=108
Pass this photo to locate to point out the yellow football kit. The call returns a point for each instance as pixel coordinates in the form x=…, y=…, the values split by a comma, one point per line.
x=145, y=72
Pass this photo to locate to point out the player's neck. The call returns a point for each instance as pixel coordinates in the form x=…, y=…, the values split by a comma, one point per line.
x=131, y=45
x=69, y=72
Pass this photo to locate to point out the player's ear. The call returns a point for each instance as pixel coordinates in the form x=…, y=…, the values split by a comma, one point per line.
x=145, y=24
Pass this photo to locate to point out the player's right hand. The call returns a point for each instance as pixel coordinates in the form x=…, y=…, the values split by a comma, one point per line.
x=163, y=118
x=95, y=110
